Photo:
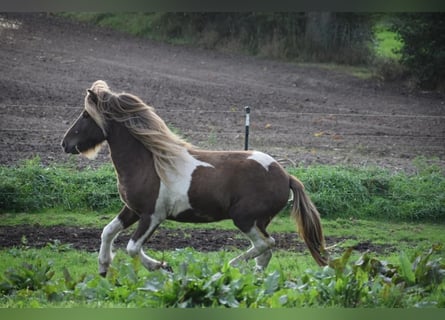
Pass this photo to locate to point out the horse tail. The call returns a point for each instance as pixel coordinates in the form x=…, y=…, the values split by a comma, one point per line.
x=308, y=222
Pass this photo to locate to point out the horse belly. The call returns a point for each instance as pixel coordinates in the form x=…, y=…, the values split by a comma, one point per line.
x=175, y=205
x=196, y=216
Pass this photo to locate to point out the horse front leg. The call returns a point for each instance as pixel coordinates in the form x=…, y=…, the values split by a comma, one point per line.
x=147, y=225
x=122, y=221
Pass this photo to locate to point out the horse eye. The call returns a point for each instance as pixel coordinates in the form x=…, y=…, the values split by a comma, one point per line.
x=85, y=115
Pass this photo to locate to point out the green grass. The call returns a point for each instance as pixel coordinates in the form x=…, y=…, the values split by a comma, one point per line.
x=338, y=192
x=387, y=43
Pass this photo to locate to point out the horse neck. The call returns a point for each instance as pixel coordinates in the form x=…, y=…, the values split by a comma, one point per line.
x=130, y=158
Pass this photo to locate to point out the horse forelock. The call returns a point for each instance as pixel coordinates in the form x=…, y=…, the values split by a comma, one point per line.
x=99, y=85
x=96, y=111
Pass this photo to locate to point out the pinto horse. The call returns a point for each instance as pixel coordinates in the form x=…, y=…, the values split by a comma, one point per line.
x=161, y=176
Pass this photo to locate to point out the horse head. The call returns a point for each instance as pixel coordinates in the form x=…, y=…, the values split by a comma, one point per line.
x=87, y=133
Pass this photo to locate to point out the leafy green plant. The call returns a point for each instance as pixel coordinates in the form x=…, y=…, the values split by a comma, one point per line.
x=198, y=281
x=28, y=276
x=370, y=281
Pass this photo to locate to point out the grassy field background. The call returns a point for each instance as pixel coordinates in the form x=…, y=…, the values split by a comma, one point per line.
x=402, y=214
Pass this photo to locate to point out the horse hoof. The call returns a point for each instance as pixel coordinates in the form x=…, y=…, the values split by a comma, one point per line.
x=166, y=267
x=103, y=274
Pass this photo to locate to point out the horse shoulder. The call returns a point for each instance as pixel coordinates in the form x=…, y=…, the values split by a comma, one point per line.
x=174, y=193
x=139, y=192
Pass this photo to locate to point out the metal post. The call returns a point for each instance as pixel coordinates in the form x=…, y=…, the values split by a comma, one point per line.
x=246, y=137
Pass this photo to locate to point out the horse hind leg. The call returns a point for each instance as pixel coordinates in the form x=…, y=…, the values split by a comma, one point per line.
x=260, y=250
x=262, y=261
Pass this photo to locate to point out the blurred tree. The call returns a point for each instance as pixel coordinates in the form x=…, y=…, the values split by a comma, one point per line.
x=423, y=51
x=312, y=36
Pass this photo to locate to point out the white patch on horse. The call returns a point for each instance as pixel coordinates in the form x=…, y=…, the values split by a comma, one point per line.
x=173, y=197
x=264, y=159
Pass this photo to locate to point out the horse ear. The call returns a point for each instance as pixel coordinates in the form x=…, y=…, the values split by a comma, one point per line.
x=93, y=96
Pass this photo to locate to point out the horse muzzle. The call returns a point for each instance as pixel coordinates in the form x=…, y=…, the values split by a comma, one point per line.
x=69, y=148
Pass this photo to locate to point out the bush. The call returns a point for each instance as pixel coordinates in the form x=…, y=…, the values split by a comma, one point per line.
x=338, y=192
x=32, y=187
x=374, y=193
x=423, y=50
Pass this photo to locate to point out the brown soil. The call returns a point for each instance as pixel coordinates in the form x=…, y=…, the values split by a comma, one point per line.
x=204, y=240
x=301, y=114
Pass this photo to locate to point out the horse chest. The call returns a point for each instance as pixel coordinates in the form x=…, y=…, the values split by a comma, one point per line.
x=172, y=200
x=173, y=197
x=125, y=196
x=141, y=200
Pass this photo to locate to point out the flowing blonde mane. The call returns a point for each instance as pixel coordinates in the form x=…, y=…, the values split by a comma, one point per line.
x=142, y=122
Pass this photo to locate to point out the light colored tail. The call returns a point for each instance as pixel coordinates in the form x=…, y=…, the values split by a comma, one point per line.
x=308, y=221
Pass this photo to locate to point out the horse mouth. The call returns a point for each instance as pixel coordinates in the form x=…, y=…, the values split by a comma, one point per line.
x=70, y=149
x=73, y=150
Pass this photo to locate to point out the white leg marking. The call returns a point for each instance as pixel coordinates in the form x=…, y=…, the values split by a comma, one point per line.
x=150, y=263
x=109, y=233
x=264, y=159
x=134, y=248
x=260, y=244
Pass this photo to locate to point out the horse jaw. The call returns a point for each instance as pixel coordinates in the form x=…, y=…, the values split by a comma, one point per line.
x=92, y=153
